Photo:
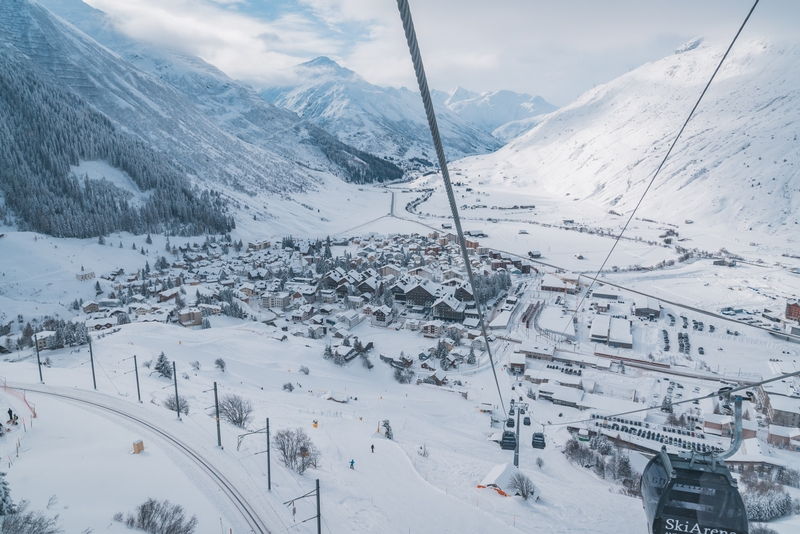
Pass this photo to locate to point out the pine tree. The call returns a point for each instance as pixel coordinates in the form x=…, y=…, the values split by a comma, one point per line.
x=149, y=240
x=328, y=352
x=389, y=434
x=101, y=240
x=163, y=366
x=471, y=357
x=6, y=504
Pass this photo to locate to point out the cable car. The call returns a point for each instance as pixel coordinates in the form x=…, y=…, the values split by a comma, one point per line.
x=510, y=422
x=526, y=421
x=538, y=440
x=691, y=494
x=509, y=441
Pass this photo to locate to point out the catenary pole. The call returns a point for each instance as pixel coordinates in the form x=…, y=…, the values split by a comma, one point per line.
x=136, y=370
x=91, y=360
x=319, y=513
x=216, y=407
x=38, y=360
x=177, y=398
x=269, y=474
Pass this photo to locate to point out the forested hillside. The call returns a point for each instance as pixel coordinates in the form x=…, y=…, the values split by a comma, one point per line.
x=44, y=129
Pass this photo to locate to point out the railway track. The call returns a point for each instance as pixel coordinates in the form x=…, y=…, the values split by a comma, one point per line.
x=247, y=511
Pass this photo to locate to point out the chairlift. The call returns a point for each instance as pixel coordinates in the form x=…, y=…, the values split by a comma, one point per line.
x=689, y=491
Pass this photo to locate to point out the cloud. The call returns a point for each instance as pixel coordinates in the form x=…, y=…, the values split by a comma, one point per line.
x=556, y=49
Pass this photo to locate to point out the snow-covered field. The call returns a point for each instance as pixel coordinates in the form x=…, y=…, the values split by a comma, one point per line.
x=393, y=490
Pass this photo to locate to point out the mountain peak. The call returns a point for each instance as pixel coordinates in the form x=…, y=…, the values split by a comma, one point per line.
x=325, y=66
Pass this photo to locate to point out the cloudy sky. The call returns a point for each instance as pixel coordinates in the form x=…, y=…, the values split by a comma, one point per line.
x=557, y=49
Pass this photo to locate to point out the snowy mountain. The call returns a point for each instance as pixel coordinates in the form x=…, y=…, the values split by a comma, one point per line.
x=492, y=110
x=215, y=130
x=734, y=163
x=381, y=120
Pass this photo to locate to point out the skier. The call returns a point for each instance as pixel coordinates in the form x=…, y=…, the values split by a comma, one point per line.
x=10, y=414
x=373, y=448
x=352, y=464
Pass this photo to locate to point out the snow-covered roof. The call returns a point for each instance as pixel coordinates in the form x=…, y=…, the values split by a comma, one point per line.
x=499, y=477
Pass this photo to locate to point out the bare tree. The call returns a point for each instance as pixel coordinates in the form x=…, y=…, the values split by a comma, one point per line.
x=160, y=517
x=296, y=449
x=235, y=410
x=33, y=522
x=171, y=404
x=220, y=364
x=539, y=462
x=522, y=485
x=288, y=387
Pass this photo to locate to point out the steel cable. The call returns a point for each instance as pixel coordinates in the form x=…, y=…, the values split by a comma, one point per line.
x=419, y=69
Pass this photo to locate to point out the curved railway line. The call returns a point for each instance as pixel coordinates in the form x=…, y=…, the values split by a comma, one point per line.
x=247, y=511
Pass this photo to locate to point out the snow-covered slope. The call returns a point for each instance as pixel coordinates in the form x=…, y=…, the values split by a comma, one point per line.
x=491, y=110
x=380, y=120
x=217, y=129
x=737, y=163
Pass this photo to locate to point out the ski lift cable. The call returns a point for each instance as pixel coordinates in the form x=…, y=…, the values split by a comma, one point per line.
x=723, y=391
x=419, y=69
x=661, y=165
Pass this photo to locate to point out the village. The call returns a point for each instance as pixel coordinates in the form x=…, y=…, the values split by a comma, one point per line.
x=405, y=301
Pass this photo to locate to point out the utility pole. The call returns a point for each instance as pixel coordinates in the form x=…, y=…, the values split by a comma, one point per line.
x=319, y=513
x=38, y=360
x=216, y=406
x=269, y=474
x=136, y=369
x=177, y=399
x=91, y=359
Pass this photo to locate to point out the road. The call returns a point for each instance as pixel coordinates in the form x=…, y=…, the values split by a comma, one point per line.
x=248, y=512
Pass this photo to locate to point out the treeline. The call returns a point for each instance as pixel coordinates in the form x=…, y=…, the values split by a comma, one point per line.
x=45, y=129
x=359, y=167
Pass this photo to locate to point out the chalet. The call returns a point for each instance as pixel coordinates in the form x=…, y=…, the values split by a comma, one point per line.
x=382, y=316
x=279, y=301
x=421, y=294
x=354, y=303
x=517, y=363
x=90, y=307
x=555, y=284
x=412, y=324
x=721, y=425
x=448, y=308
x=248, y=289
x=212, y=309
x=463, y=292
x=168, y=294
x=432, y=329
x=784, y=410
x=390, y=270
x=647, y=307
x=328, y=296
x=42, y=339
x=349, y=318
x=190, y=317
x=101, y=323
x=303, y=313
x=561, y=395
x=792, y=309
x=84, y=275
x=159, y=316
x=539, y=352
x=784, y=437
x=438, y=378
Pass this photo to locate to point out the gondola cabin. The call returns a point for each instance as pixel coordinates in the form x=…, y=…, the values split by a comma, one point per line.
x=691, y=495
x=537, y=441
x=509, y=441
